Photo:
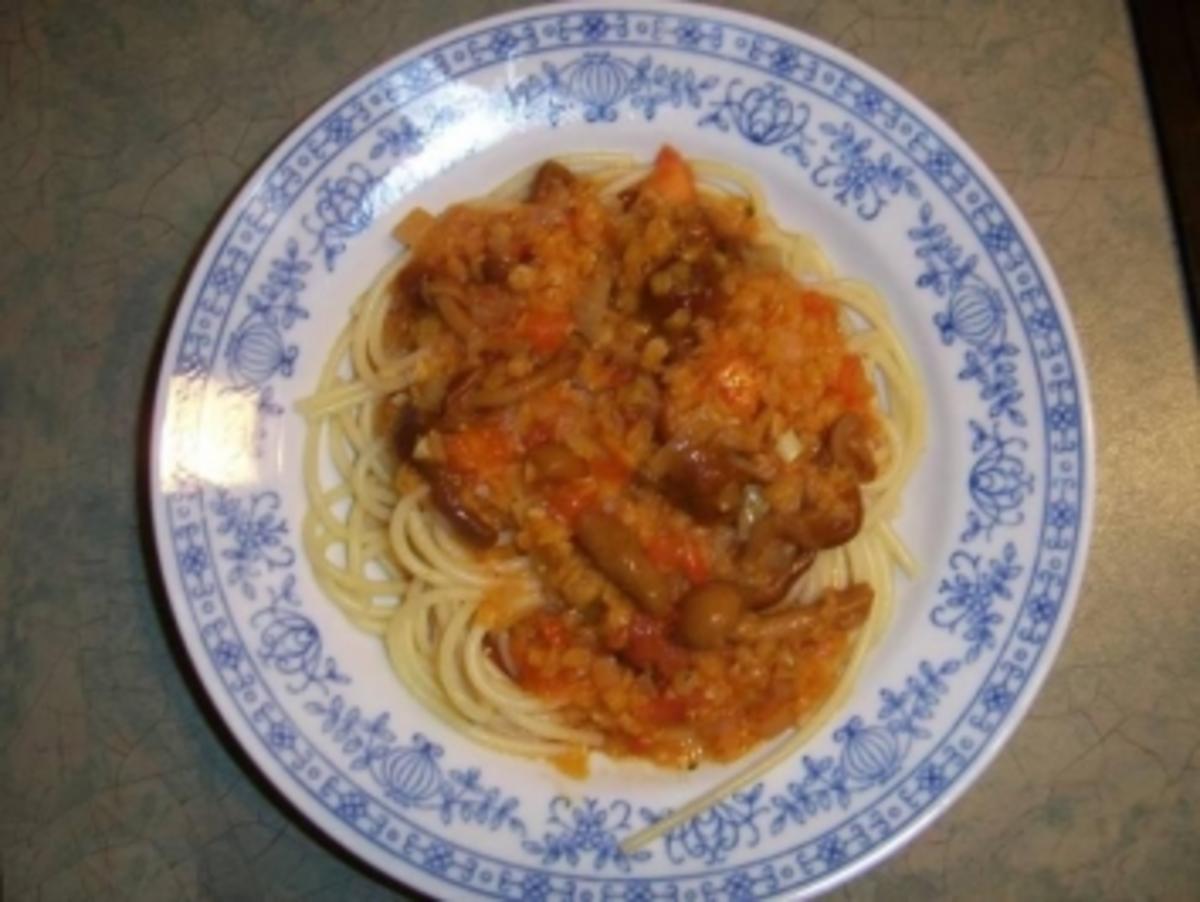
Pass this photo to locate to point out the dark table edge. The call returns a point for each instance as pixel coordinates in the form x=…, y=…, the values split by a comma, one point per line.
x=1167, y=35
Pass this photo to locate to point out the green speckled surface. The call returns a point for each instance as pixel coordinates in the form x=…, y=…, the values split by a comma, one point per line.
x=124, y=128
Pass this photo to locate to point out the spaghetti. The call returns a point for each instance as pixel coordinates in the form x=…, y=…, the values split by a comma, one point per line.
x=609, y=461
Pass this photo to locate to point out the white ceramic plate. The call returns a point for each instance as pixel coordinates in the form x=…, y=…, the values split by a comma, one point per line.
x=998, y=513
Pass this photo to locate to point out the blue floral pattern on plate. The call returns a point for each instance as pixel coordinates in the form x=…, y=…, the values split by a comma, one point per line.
x=855, y=144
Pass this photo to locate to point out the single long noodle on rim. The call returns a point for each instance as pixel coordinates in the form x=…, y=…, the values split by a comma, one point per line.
x=395, y=568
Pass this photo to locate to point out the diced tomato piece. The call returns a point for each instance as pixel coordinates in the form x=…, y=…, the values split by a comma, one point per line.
x=672, y=178
x=479, y=449
x=621, y=375
x=611, y=469
x=817, y=305
x=694, y=561
x=661, y=550
x=553, y=632
x=665, y=709
x=851, y=383
x=545, y=330
x=538, y=433
x=638, y=743
x=568, y=500
x=681, y=552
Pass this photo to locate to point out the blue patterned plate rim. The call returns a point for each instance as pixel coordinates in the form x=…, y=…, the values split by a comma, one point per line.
x=594, y=84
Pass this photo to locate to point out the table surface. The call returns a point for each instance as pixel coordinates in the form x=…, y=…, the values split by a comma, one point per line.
x=124, y=128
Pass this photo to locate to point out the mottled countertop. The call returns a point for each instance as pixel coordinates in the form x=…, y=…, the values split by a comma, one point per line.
x=124, y=128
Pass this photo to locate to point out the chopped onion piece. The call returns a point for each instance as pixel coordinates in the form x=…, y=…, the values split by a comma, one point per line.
x=788, y=446
x=504, y=653
x=754, y=506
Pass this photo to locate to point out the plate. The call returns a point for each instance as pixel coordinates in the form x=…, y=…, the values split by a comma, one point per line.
x=998, y=512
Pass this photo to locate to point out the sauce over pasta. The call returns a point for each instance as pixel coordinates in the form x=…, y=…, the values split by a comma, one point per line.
x=634, y=394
